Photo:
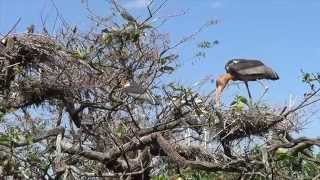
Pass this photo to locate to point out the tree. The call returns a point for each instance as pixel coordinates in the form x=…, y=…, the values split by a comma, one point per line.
x=107, y=115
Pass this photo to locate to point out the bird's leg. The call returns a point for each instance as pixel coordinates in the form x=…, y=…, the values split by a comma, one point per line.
x=250, y=97
x=266, y=88
x=247, y=86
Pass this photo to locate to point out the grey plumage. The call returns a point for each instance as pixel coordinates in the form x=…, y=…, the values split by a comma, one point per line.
x=138, y=92
x=250, y=70
x=125, y=15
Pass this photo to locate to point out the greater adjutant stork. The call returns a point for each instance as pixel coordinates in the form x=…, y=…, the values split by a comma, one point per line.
x=243, y=70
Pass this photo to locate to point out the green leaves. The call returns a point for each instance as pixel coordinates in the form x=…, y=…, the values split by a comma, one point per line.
x=15, y=136
x=306, y=77
x=311, y=79
x=165, y=62
x=106, y=38
x=166, y=69
x=146, y=26
x=2, y=114
x=121, y=130
x=200, y=54
x=135, y=36
x=160, y=178
x=168, y=59
x=18, y=69
x=282, y=154
x=80, y=54
x=239, y=103
x=4, y=139
x=29, y=138
x=207, y=44
x=129, y=33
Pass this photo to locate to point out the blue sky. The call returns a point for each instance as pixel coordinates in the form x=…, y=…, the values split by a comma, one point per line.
x=282, y=33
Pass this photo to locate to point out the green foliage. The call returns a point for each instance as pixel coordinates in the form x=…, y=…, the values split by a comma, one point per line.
x=160, y=178
x=80, y=53
x=168, y=59
x=18, y=69
x=239, y=103
x=106, y=38
x=5, y=139
x=190, y=174
x=306, y=78
x=296, y=165
x=287, y=165
x=311, y=79
x=3, y=111
x=90, y=89
x=200, y=54
x=310, y=169
x=2, y=114
x=166, y=69
x=198, y=175
x=14, y=135
x=207, y=44
x=256, y=150
x=146, y=26
x=121, y=130
x=165, y=63
x=282, y=154
x=29, y=138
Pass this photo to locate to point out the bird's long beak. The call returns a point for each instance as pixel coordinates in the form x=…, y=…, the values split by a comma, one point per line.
x=221, y=83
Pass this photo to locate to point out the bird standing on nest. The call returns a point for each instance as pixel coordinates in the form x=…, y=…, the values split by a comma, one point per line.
x=243, y=70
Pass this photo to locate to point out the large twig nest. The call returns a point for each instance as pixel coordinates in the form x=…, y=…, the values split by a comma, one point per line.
x=241, y=124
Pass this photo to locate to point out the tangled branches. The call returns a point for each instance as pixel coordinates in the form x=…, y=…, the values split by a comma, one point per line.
x=108, y=83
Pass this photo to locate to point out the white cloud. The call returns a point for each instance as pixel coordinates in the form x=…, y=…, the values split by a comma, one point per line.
x=216, y=4
x=137, y=4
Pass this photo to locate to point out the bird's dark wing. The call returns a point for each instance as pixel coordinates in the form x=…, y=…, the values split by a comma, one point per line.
x=236, y=65
x=244, y=69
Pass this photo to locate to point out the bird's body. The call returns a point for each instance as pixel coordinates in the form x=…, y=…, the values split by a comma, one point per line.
x=136, y=91
x=249, y=70
x=243, y=70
